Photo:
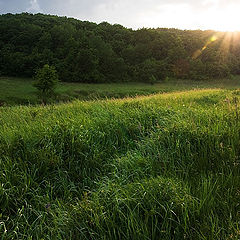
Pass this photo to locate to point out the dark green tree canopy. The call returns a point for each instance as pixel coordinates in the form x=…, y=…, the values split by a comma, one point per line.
x=46, y=81
x=94, y=53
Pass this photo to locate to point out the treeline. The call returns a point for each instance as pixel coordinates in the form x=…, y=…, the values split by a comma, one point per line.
x=89, y=52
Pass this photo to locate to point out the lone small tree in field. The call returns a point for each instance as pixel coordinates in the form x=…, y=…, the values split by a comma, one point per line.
x=152, y=80
x=46, y=82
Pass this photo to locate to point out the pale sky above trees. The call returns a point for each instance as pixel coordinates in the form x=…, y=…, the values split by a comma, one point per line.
x=183, y=14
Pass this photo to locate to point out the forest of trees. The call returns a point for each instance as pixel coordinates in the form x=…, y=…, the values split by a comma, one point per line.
x=94, y=53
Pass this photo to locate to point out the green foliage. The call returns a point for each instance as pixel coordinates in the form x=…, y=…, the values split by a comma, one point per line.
x=46, y=81
x=21, y=90
x=152, y=80
x=90, y=53
x=159, y=167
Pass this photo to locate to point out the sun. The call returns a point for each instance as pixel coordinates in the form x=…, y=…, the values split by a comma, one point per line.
x=224, y=18
x=229, y=22
x=219, y=15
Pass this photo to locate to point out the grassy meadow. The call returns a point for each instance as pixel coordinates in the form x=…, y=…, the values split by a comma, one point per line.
x=164, y=166
x=15, y=91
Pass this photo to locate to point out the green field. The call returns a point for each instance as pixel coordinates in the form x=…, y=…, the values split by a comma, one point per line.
x=15, y=91
x=164, y=166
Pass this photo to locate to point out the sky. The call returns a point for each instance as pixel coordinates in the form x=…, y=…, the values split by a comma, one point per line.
x=183, y=14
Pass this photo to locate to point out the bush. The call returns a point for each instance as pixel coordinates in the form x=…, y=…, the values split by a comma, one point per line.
x=46, y=82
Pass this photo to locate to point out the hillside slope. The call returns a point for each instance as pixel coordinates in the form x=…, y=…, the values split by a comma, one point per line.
x=96, y=53
x=158, y=167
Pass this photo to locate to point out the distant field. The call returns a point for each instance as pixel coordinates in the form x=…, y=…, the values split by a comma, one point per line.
x=14, y=91
x=157, y=167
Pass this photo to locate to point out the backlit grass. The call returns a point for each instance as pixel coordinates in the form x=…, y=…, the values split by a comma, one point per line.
x=157, y=167
x=15, y=91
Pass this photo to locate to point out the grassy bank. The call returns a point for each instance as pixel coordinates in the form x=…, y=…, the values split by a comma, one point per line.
x=158, y=167
x=15, y=91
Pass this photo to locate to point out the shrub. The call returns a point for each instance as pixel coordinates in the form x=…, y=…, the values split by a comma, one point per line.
x=46, y=81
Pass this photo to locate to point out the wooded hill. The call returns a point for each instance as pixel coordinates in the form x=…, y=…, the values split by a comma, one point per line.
x=93, y=53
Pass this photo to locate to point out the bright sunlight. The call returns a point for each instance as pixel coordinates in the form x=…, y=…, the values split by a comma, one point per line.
x=223, y=18
x=212, y=14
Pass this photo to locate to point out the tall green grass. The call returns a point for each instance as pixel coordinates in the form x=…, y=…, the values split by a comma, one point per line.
x=15, y=91
x=158, y=167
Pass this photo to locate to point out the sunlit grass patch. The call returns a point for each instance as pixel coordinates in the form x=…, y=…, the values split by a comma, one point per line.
x=161, y=166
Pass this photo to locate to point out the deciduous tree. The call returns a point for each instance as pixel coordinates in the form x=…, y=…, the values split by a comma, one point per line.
x=46, y=81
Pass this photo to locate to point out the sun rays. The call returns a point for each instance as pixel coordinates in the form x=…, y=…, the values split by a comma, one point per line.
x=225, y=42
